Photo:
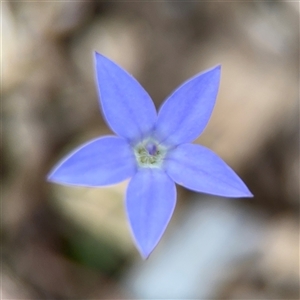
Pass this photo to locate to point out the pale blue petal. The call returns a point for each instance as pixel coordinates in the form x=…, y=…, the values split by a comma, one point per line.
x=128, y=109
x=150, y=202
x=198, y=168
x=184, y=115
x=104, y=161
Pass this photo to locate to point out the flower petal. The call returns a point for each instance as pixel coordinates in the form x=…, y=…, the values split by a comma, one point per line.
x=184, y=115
x=103, y=161
x=150, y=202
x=128, y=109
x=198, y=168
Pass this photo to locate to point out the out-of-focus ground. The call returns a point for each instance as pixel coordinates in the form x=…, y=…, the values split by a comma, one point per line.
x=74, y=243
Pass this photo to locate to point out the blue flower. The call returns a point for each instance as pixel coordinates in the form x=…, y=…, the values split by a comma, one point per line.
x=153, y=148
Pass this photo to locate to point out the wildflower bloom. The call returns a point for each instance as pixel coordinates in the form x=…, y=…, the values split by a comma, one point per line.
x=152, y=148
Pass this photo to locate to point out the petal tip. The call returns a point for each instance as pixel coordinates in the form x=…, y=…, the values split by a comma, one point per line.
x=217, y=69
x=245, y=193
x=50, y=175
x=145, y=256
x=49, y=178
x=145, y=253
x=98, y=56
x=249, y=195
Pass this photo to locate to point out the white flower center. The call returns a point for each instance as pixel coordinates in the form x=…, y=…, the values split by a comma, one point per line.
x=149, y=154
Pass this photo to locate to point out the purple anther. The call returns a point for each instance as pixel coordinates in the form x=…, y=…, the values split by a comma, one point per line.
x=151, y=148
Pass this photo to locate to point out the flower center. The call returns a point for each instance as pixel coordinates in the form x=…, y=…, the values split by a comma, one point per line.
x=149, y=154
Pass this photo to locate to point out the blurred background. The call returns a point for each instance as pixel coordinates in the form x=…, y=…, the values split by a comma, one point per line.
x=74, y=243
